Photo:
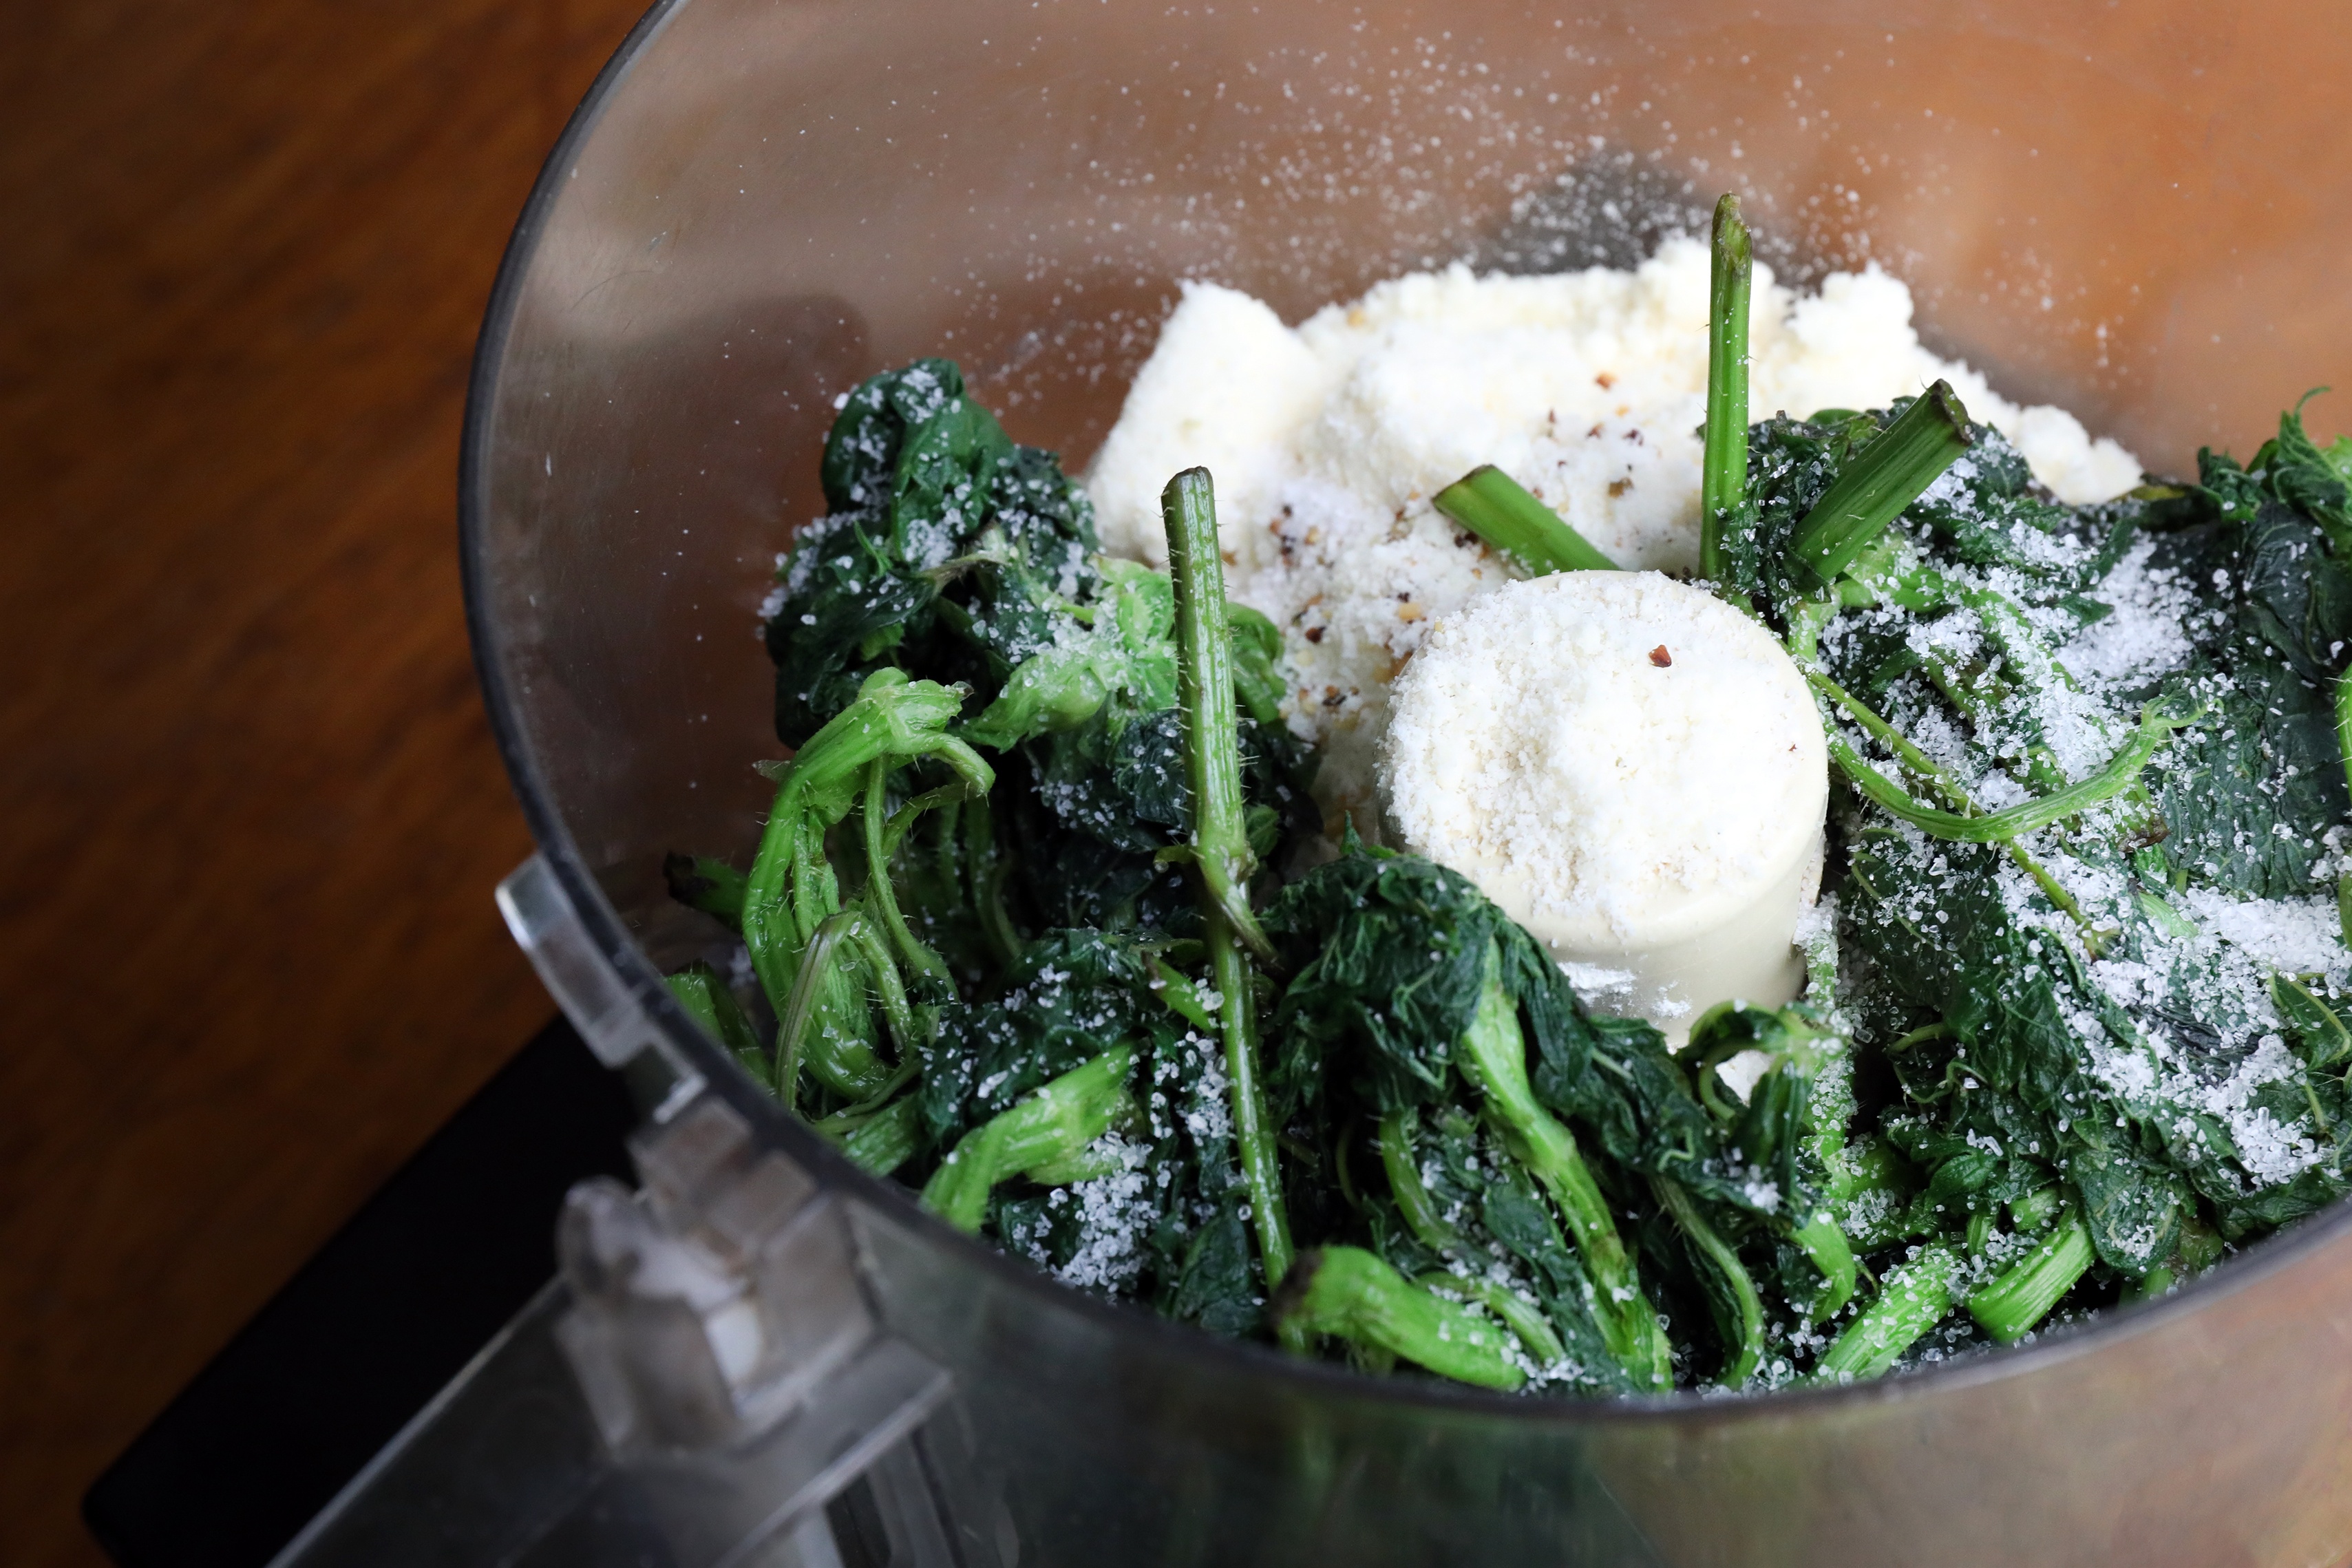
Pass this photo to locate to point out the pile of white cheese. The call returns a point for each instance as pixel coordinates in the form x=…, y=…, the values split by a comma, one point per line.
x=1327, y=440
x=1543, y=756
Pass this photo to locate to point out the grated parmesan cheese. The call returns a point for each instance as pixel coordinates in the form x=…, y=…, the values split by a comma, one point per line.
x=1327, y=442
x=1631, y=769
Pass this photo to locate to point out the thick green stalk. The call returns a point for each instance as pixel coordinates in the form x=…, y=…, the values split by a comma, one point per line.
x=1494, y=505
x=1744, y=1331
x=1881, y=479
x=1494, y=1057
x=2025, y=1291
x=2343, y=724
x=1220, y=850
x=1349, y=1292
x=1204, y=688
x=1911, y=1300
x=705, y=883
x=1525, y=1319
x=1048, y=1128
x=1254, y=1130
x=1723, y=471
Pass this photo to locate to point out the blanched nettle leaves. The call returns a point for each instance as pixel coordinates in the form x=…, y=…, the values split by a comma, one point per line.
x=1069, y=993
x=2249, y=793
x=1390, y=950
x=861, y=453
x=2295, y=601
x=947, y=548
x=2132, y=1205
x=1128, y=653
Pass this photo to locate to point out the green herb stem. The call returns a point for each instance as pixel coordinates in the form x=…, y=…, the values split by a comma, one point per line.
x=1911, y=1300
x=2023, y=1295
x=1050, y=1126
x=1881, y=479
x=1220, y=850
x=1494, y=505
x=916, y=955
x=800, y=1002
x=1524, y=1318
x=2155, y=728
x=1349, y=1292
x=1820, y=1240
x=1493, y=1057
x=1723, y=472
x=704, y=994
x=880, y=1143
x=1739, y=1307
x=1394, y=1137
x=2343, y=747
x=1212, y=761
x=713, y=886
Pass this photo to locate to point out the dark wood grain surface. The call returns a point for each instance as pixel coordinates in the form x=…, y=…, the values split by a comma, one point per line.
x=251, y=813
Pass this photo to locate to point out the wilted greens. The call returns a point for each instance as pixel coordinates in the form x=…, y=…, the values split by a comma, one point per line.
x=1041, y=925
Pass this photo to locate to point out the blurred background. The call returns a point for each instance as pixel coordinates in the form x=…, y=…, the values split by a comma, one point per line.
x=251, y=813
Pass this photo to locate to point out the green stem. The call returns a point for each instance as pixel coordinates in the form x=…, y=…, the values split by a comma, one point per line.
x=878, y=824
x=1253, y=1133
x=880, y=1143
x=2343, y=724
x=1049, y=1127
x=1220, y=852
x=1394, y=1137
x=1176, y=989
x=1744, y=1325
x=1204, y=677
x=1723, y=471
x=2121, y=773
x=888, y=988
x=705, y=883
x=1493, y=1057
x=1820, y=1240
x=1349, y=1292
x=1881, y=479
x=1494, y=505
x=704, y=994
x=1911, y=1300
x=1925, y=769
x=988, y=870
x=801, y=1001
x=2026, y=1291
x=2344, y=746
x=1542, y=1342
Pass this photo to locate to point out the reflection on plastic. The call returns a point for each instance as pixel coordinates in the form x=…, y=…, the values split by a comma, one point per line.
x=703, y=1380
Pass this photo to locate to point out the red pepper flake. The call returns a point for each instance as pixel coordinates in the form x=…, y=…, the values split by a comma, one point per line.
x=1660, y=657
x=1315, y=633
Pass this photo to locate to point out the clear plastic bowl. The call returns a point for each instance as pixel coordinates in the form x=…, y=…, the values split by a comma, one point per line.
x=2126, y=210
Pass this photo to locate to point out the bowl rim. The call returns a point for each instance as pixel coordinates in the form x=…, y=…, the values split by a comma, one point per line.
x=1147, y=1330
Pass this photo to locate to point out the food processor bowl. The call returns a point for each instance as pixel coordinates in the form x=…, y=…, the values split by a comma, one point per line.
x=2124, y=211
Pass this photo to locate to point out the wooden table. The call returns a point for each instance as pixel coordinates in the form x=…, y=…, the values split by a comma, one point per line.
x=252, y=811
